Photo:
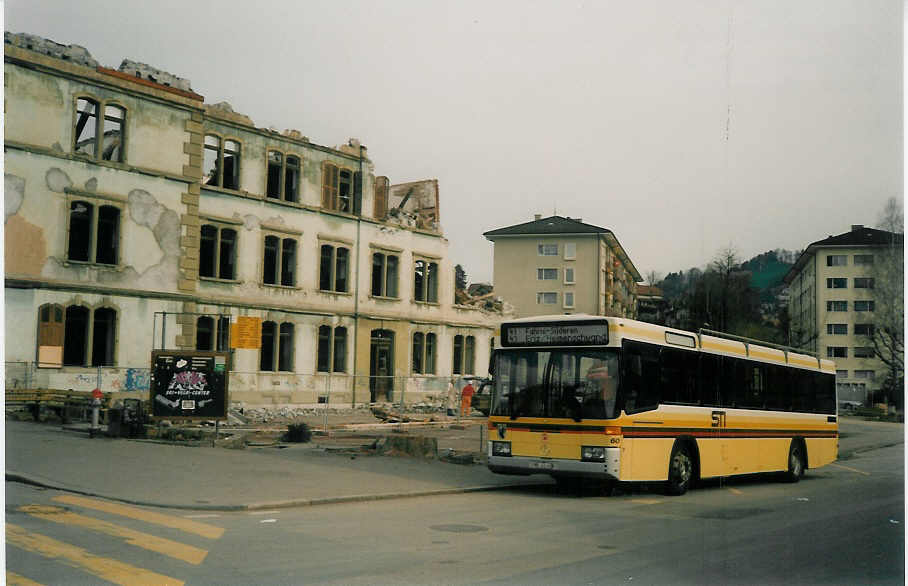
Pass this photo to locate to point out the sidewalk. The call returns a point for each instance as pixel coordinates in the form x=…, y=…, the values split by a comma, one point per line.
x=206, y=478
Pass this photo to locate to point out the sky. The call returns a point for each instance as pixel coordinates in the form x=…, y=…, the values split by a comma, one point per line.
x=685, y=127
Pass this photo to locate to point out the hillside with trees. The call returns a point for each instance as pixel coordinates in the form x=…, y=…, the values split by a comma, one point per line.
x=743, y=298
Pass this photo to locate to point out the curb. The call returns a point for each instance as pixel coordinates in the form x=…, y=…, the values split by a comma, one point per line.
x=294, y=503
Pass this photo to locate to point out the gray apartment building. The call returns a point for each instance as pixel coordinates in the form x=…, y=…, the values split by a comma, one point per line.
x=836, y=302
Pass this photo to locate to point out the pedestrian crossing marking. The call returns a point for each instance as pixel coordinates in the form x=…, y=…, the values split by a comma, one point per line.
x=14, y=579
x=76, y=557
x=174, y=549
x=187, y=525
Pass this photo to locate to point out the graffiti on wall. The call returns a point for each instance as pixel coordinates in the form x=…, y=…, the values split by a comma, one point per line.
x=137, y=379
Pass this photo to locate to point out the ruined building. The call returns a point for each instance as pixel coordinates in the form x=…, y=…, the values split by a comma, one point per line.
x=139, y=217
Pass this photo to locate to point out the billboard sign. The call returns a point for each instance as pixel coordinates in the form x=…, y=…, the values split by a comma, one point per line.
x=189, y=385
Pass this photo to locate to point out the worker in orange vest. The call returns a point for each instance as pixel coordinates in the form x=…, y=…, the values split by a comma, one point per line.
x=466, y=399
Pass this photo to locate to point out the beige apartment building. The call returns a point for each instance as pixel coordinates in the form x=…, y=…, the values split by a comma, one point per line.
x=560, y=265
x=834, y=303
x=138, y=216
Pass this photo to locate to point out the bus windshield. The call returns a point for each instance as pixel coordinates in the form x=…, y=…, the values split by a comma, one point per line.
x=579, y=383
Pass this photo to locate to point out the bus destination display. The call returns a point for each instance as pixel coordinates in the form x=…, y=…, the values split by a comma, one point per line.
x=567, y=334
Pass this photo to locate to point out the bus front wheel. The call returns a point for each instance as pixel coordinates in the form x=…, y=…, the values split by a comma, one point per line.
x=796, y=458
x=680, y=470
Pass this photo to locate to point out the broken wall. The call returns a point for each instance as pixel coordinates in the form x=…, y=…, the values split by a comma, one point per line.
x=415, y=205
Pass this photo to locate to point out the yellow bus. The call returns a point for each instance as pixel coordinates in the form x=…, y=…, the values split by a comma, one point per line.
x=615, y=399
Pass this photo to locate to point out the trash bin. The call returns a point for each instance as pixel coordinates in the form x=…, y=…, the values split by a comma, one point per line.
x=126, y=419
x=133, y=418
x=114, y=421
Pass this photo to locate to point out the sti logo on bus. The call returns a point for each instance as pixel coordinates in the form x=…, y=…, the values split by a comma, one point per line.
x=581, y=334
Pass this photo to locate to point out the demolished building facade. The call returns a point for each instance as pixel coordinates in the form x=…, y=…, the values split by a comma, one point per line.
x=138, y=217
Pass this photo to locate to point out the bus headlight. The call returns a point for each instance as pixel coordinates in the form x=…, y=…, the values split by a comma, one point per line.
x=501, y=448
x=592, y=454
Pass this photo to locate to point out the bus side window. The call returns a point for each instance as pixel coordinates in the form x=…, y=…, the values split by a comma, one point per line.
x=751, y=392
x=709, y=379
x=641, y=380
x=679, y=377
x=777, y=395
x=728, y=381
x=826, y=393
x=802, y=389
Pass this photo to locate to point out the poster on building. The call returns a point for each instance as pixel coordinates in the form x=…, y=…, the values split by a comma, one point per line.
x=189, y=385
x=246, y=333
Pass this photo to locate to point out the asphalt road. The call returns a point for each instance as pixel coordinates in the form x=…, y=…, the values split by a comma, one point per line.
x=842, y=524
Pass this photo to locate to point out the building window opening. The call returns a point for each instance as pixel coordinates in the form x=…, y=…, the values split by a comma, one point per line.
x=425, y=281
x=277, y=343
x=211, y=334
x=221, y=162
x=112, y=142
x=332, y=349
x=86, y=127
x=275, y=168
x=88, y=243
x=279, y=261
x=217, y=252
x=285, y=348
x=80, y=220
x=384, y=275
x=333, y=268
x=424, y=348
x=103, y=337
x=418, y=351
x=75, y=336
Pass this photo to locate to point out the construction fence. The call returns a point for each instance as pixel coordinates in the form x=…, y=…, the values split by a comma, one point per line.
x=259, y=389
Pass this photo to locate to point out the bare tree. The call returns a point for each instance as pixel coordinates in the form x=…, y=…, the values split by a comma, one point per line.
x=887, y=337
x=653, y=278
x=724, y=264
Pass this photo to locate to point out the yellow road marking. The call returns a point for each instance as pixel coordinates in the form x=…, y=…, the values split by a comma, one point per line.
x=735, y=491
x=203, y=529
x=14, y=579
x=76, y=557
x=646, y=501
x=174, y=549
x=849, y=468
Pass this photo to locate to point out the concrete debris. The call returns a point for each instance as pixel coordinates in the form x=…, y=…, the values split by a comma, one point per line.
x=384, y=412
x=295, y=134
x=73, y=53
x=388, y=417
x=143, y=71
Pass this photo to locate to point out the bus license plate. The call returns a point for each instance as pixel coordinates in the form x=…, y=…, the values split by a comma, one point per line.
x=543, y=465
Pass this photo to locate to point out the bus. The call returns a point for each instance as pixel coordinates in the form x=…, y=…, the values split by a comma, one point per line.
x=581, y=396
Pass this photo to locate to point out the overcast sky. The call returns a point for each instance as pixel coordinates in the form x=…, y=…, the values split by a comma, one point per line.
x=682, y=126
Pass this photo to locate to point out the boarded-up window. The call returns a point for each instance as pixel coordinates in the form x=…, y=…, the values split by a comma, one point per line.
x=50, y=336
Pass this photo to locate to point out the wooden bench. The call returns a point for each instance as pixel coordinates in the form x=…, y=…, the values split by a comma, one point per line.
x=63, y=403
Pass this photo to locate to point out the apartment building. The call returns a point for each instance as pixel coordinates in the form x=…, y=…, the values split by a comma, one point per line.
x=562, y=265
x=138, y=216
x=834, y=302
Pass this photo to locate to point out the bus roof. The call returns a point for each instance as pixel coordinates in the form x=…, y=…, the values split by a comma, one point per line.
x=712, y=342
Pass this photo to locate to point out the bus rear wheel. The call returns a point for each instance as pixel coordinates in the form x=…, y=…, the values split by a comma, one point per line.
x=680, y=470
x=796, y=458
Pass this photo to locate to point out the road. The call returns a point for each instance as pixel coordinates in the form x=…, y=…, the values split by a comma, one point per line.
x=842, y=524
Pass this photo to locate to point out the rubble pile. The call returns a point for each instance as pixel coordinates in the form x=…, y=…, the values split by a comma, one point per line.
x=289, y=413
